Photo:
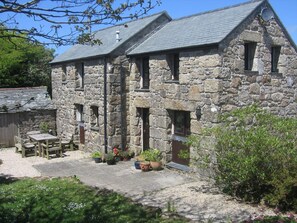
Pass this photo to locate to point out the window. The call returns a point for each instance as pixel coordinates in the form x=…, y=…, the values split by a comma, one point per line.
x=275, y=52
x=64, y=72
x=94, y=116
x=173, y=62
x=249, y=55
x=79, y=113
x=145, y=73
x=181, y=123
x=80, y=73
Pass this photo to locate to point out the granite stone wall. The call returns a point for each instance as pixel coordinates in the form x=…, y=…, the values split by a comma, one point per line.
x=31, y=121
x=213, y=79
x=66, y=97
x=274, y=91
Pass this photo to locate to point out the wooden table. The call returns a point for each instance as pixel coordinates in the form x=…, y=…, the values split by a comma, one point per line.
x=33, y=132
x=41, y=138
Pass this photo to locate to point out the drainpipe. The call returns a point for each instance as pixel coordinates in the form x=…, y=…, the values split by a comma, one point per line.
x=105, y=104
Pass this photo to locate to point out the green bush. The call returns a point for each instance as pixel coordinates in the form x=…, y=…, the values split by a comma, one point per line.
x=255, y=156
x=67, y=200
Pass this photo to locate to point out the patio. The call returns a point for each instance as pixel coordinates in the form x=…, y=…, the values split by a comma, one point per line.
x=187, y=194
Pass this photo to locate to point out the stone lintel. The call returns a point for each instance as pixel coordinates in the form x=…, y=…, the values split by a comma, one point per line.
x=140, y=102
x=251, y=36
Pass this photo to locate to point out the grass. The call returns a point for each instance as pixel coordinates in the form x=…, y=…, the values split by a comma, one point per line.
x=68, y=200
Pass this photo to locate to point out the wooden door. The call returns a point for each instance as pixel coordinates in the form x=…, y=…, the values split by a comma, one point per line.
x=177, y=147
x=181, y=129
x=145, y=129
x=81, y=133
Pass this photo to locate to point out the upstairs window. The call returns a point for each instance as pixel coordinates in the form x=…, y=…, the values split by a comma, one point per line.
x=173, y=62
x=181, y=123
x=64, y=72
x=249, y=55
x=145, y=73
x=275, y=52
x=79, y=109
x=80, y=74
x=94, y=116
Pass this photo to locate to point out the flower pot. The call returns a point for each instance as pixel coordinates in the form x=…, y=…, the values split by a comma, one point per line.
x=97, y=160
x=111, y=162
x=117, y=158
x=145, y=166
x=156, y=165
x=137, y=165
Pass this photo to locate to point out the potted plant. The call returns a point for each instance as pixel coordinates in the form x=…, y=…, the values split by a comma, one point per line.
x=137, y=162
x=116, y=153
x=145, y=161
x=109, y=157
x=125, y=155
x=97, y=156
x=154, y=156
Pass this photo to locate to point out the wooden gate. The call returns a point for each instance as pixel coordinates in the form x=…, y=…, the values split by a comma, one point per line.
x=8, y=128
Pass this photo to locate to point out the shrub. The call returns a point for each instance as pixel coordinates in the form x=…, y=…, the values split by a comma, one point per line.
x=67, y=200
x=255, y=156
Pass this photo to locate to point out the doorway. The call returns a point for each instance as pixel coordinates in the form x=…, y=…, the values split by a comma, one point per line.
x=145, y=128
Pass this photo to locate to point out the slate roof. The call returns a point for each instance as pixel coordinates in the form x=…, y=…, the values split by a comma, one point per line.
x=197, y=30
x=24, y=99
x=108, y=38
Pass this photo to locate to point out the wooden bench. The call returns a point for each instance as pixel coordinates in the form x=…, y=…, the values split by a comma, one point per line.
x=24, y=146
x=52, y=146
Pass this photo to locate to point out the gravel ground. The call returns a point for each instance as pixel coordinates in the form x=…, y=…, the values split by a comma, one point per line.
x=16, y=166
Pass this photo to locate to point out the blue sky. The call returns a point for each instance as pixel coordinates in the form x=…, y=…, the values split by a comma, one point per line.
x=285, y=9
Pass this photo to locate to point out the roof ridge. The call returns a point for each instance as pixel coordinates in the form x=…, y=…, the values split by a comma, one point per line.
x=133, y=20
x=219, y=9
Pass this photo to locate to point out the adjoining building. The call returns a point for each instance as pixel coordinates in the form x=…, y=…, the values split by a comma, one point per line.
x=23, y=110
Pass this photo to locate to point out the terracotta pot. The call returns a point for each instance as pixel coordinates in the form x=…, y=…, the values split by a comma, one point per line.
x=156, y=165
x=145, y=166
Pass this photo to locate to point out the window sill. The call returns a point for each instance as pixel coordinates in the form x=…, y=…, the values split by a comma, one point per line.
x=142, y=90
x=250, y=72
x=79, y=89
x=94, y=128
x=179, y=138
x=276, y=74
x=172, y=82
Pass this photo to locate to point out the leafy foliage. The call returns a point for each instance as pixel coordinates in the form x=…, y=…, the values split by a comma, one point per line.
x=255, y=156
x=67, y=200
x=23, y=63
x=63, y=22
x=154, y=155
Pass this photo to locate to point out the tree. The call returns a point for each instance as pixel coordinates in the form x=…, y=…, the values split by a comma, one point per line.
x=50, y=20
x=23, y=63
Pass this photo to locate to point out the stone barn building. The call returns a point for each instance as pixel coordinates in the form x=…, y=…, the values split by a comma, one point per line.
x=23, y=110
x=167, y=78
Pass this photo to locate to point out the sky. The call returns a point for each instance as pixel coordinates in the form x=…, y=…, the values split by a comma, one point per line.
x=286, y=10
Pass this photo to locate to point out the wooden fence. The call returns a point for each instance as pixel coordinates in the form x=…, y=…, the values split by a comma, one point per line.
x=8, y=128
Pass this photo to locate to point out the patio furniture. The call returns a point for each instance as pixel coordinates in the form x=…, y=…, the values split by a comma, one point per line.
x=24, y=146
x=40, y=138
x=75, y=141
x=33, y=132
x=52, y=146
